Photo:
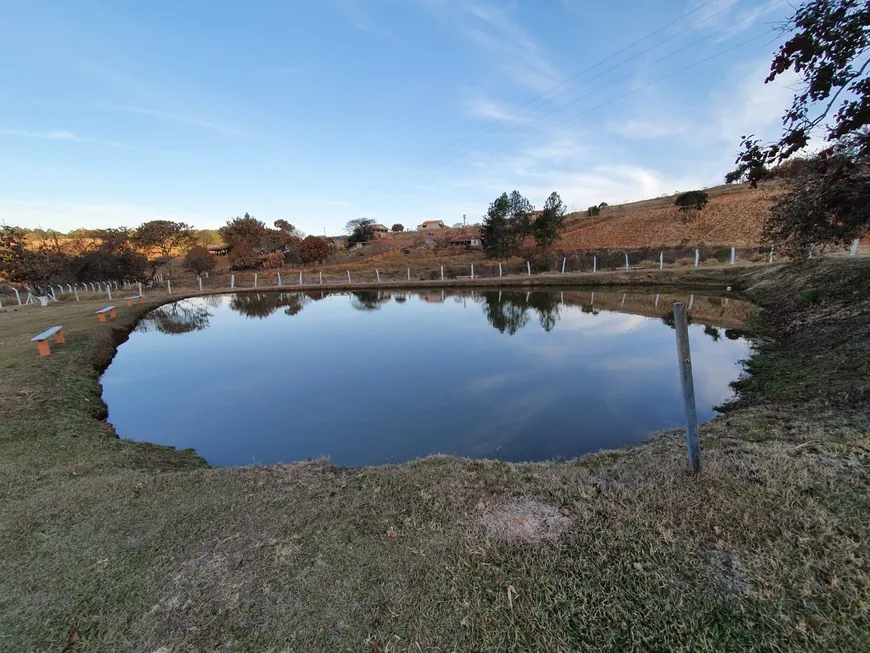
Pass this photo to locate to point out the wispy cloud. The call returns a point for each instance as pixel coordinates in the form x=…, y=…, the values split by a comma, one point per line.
x=186, y=118
x=490, y=109
x=61, y=135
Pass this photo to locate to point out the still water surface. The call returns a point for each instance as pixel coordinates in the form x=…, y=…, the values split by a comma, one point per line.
x=371, y=378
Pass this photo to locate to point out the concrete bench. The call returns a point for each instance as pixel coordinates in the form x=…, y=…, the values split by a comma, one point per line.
x=132, y=299
x=42, y=339
x=101, y=314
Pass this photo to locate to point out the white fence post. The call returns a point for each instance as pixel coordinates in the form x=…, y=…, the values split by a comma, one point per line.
x=409, y=274
x=92, y=287
x=348, y=277
x=622, y=303
x=770, y=260
x=529, y=268
x=200, y=283
x=17, y=296
x=564, y=259
x=76, y=292
x=255, y=279
x=661, y=260
x=232, y=281
x=626, y=261
x=378, y=275
x=53, y=296
x=69, y=288
x=140, y=288
x=300, y=277
x=499, y=268
x=595, y=264
x=168, y=287
x=697, y=257
x=109, y=290
x=279, y=279
x=442, y=273
x=733, y=255
x=60, y=289
x=321, y=277
x=472, y=271
x=854, y=250
x=691, y=302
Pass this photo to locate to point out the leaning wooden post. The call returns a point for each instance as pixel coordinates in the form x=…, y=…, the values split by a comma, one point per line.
x=685, y=360
x=529, y=268
x=854, y=250
x=564, y=259
x=200, y=283
x=733, y=255
x=279, y=279
x=109, y=290
x=76, y=292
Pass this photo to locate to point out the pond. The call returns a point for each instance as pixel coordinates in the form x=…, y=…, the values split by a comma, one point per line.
x=377, y=377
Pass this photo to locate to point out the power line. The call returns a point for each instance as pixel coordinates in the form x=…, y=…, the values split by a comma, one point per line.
x=560, y=85
x=598, y=90
x=616, y=99
x=517, y=114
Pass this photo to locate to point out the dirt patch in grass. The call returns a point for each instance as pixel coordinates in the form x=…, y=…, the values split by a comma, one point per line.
x=135, y=547
x=525, y=521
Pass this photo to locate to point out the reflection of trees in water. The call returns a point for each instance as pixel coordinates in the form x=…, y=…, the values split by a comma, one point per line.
x=713, y=332
x=509, y=311
x=368, y=300
x=262, y=305
x=175, y=318
x=546, y=305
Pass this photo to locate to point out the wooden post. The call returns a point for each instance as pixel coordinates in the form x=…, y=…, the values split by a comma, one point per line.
x=854, y=250
x=684, y=355
x=697, y=257
x=255, y=279
x=529, y=268
x=200, y=283
x=733, y=255
x=378, y=275
x=564, y=259
x=661, y=260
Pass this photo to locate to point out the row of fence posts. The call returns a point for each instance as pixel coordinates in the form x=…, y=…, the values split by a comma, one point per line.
x=107, y=285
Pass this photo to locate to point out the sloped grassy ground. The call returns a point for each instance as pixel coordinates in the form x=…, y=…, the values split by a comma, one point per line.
x=109, y=545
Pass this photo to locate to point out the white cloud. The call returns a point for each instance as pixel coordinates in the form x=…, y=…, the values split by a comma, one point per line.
x=60, y=135
x=68, y=215
x=490, y=109
x=187, y=119
x=649, y=128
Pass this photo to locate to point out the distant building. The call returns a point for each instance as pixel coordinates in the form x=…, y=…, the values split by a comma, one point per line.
x=379, y=231
x=470, y=241
x=429, y=225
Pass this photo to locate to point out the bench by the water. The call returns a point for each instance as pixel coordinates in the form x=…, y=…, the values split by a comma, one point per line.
x=130, y=300
x=42, y=339
x=101, y=314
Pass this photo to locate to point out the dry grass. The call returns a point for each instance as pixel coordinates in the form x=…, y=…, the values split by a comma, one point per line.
x=133, y=547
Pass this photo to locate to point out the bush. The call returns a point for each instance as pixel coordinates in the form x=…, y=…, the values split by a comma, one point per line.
x=199, y=260
x=723, y=254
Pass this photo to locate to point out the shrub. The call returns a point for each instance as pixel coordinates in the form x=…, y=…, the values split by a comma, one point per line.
x=723, y=254
x=198, y=260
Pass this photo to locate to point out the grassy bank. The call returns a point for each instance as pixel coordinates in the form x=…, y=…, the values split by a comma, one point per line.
x=110, y=545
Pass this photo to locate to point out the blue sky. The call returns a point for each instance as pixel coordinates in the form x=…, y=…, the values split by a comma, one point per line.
x=114, y=113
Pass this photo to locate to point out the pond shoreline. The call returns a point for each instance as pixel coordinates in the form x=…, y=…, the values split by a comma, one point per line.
x=120, y=534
